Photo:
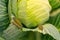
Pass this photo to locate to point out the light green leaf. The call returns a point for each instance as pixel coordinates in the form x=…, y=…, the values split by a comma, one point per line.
x=2, y=38
x=14, y=33
x=51, y=30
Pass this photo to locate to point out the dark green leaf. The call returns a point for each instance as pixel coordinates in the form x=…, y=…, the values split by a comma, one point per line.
x=4, y=17
x=55, y=4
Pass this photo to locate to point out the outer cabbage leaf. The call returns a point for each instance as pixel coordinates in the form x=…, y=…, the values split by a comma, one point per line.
x=14, y=33
x=4, y=16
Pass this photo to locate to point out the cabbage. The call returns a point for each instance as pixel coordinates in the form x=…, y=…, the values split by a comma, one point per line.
x=31, y=13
